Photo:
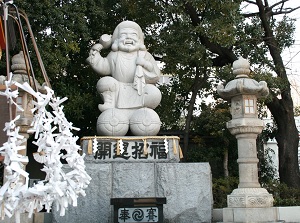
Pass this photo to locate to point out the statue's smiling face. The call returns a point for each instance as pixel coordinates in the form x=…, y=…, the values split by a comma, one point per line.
x=128, y=40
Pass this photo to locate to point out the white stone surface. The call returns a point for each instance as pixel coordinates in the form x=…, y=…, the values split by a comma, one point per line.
x=263, y=215
x=145, y=122
x=129, y=74
x=95, y=206
x=250, y=215
x=217, y=215
x=133, y=180
x=188, y=189
x=250, y=198
x=289, y=214
x=186, y=186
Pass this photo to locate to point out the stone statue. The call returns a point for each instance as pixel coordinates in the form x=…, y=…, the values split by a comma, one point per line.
x=128, y=83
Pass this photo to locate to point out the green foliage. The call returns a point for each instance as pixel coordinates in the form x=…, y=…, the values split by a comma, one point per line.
x=203, y=153
x=276, y=84
x=297, y=110
x=250, y=43
x=219, y=21
x=213, y=140
x=267, y=171
x=221, y=188
x=170, y=109
x=286, y=25
x=64, y=31
x=212, y=119
x=283, y=195
x=268, y=132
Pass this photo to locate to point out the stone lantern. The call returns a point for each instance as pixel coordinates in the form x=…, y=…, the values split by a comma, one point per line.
x=245, y=125
x=24, y=99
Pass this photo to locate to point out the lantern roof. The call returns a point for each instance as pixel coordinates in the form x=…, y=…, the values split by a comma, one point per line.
x=242, y=84
x=20, y=74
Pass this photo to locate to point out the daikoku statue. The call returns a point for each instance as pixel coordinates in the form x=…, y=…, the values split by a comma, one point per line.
x=128, y=83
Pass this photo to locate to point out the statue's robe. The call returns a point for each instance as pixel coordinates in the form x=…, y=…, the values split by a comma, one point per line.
x=132, y=78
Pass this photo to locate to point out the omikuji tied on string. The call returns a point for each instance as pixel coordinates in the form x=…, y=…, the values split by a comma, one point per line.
x=53, y=134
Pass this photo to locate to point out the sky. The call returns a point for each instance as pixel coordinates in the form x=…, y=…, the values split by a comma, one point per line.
x=291, y=56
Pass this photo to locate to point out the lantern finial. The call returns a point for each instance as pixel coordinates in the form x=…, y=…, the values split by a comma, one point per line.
x=241, y=68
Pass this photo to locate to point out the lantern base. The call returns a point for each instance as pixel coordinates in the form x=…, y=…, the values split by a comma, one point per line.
x=250, y=198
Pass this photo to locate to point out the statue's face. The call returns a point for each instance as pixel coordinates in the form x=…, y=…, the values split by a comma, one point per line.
x=128, y=40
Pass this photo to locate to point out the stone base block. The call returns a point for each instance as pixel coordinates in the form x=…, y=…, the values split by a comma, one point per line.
x=186, y=186
x=95, y=206
x=249, y=215
x=250, y=198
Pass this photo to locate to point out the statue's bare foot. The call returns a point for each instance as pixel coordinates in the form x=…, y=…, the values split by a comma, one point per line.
x=105, y=106
x=108, y=101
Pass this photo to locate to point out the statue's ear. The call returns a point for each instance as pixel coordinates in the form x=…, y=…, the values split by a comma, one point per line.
x=141, y=39
x=114, y=46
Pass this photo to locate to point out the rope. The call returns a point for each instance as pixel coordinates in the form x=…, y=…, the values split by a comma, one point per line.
x=131, y=138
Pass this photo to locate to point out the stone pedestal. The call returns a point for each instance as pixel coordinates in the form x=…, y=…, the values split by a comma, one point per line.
x=246, y=131
x=249, y=193
x=186, y=186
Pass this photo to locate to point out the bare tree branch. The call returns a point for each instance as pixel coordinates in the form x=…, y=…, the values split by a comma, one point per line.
x=270, y=10
x=278, y=3
x=225, y=55
x=266, y=4
x=249, y=15
x=286, y=11
x=250, y=2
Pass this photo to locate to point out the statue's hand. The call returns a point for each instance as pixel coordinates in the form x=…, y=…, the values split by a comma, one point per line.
x=95, y=49
x=140, y=61
x=144, y=63
x=94, y=54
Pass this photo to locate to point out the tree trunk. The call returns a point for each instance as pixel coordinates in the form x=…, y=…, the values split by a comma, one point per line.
x=287, y=139
x=225, y=163
x=282, y=109
x=288, y=151
x=195, y=88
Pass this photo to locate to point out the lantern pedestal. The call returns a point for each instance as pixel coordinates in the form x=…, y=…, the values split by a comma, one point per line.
x=249, y=194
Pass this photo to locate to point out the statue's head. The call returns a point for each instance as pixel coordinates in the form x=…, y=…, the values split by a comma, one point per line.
x=128, y=36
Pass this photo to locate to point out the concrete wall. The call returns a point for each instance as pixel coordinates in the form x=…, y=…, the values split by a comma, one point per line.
x=272, y=144
x=41, y=217
x=283, y=214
